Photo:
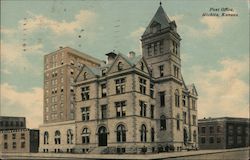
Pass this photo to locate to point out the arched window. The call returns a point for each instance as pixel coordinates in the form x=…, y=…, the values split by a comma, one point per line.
x=46, y=137
x=163, y=123
x=177, y=98
x=69, y=136
x=143, y=133
x=185, y=136
x=120, y=66
x=142, y=66
x=57, y=137
x=178, y=121
x=85, y=135
x=152, y=134
x=121, y=133
x=194, y=136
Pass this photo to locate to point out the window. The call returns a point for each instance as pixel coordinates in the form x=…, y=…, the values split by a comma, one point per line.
x=85, y=75
x=142, y=85
x=120, y=108
x=176, y=71
x=149, y=50
x=152, y=135
x=178, y=122
x=155, y=48
x=230, y=140
x=14, y=145
x=193, y=104
x=163, y=125
x=46, y=138
x=161, y=46
x=121, y=133
x=211, y=129
x=13, y=136
x=143, y=133
x=211, y=139
x=175, y=47
x=177, y=98
x=120, y=66
x=5, y=145
x=151, y=90
x=218, y=140
x=239, y=139
x=230, y=130
x=194, y=135
x=103, y=111
x=184, y=101
x=120, y=85
x=69, y=136
x=218, y=129
x=203, y=129
x=185, y=117
x=162, y=99
x=57, y=137
x=203, y=140
x=152, y=111
x=104, y=90
x=5, y=136
x=85, y=136
x=143, y=107
x=85, y=93
x=239, y=130
x=22, y=144
x=142, y=66
x=103, y=72
x=85, y=113
x=161, y=70
x=22, y=135
x=194, y=120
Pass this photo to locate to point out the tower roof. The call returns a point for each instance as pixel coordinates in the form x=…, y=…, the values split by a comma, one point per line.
x=161, y=18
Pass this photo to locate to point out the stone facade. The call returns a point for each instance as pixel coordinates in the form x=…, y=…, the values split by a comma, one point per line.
x=223, y=133
x=7, y=123
x=131, y=104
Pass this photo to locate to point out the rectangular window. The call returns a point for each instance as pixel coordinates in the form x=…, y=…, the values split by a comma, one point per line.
x=239, y=139
x=120, y=108
x=85, y=93
x=218, y=129
x=194, y=120
x=161, y=46
x=239, y=130
x=120, y=85
x=203, y=140
x=149, y=50
x=155, y=48
x=142, y=85
x=203, y=129
x=211, y=129
x=162, y=98
x=13, y=136
x=104, y=111
x=184, y=101
x=22, y=135
x=161, y=70
x=185, y=117
x=22, y=144
x=85, y=113
x=5, y=145
x=230, y=140
x=230, y=130
x=104, y=90
x=5, y=136
x=193, y=104
x=152, y=111
x=218, y=140
x=143, y=107
x=151, y=90
x=176, y=71
x=211, y=139
x=14, y=145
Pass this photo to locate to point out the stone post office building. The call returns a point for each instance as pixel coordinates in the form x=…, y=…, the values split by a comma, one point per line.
x=123, y=105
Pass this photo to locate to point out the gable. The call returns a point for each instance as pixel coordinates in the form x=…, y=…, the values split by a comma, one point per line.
x=119, y=64
x=142, y=65
x=85, y=74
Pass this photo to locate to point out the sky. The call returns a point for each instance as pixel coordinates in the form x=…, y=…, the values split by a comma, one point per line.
x=214, y=50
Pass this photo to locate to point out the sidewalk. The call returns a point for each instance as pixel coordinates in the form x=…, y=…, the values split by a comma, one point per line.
x=115, y=156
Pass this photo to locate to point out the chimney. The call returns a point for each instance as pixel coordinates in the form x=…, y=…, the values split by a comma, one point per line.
x=131, y=54
x=61, y=47
x=111, y=57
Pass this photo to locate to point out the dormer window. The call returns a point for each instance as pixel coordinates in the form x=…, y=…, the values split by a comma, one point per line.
x=155, y=27
x=85, y=75
x=103, y=72
x=142, y=66
x=120, y=66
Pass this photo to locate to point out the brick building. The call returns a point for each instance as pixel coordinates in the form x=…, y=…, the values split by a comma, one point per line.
x=126, y=104
x=223, y=133
x=7, y=122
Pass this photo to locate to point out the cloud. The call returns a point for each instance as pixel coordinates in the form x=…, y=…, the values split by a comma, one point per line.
x=136, y=36
x=13, y=56
x=213, y=26
x=8, y=31
x=22, y=103
x=223, y=92
x=177, y=18
x=37, y=22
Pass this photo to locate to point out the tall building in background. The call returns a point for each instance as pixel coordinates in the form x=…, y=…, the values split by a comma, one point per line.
x=59, y=72
x=130, y=104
